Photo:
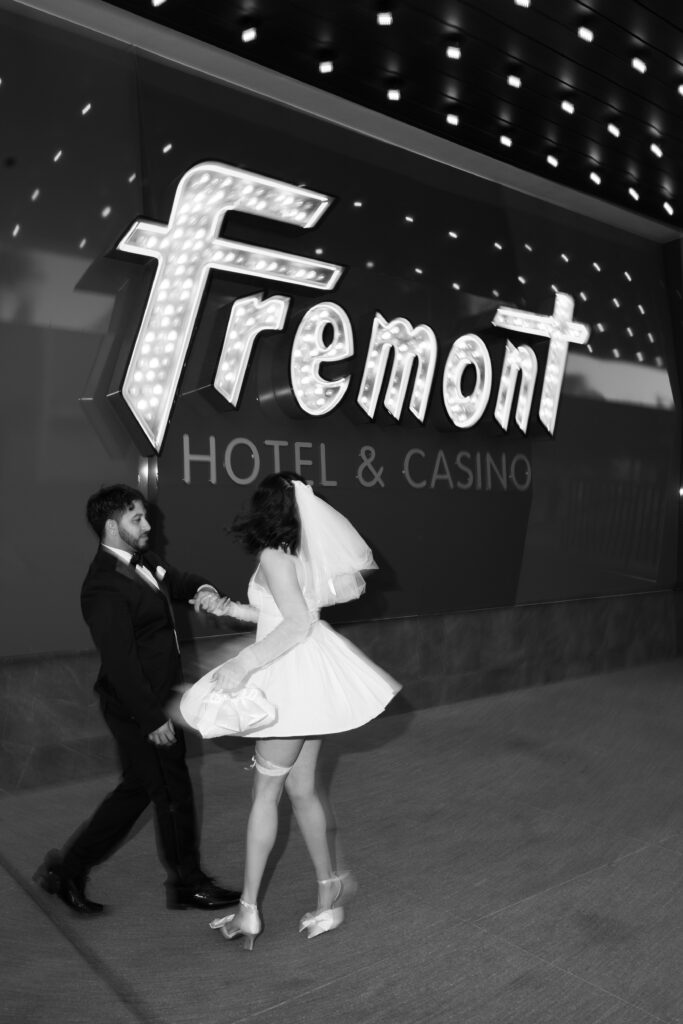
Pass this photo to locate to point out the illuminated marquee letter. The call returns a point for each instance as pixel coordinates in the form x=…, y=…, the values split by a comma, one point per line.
x=315, y=395
x=248, y=317
x=516, y=359
x=186, y=249
x=408, y=343
x=466, y=410
x=562, y=332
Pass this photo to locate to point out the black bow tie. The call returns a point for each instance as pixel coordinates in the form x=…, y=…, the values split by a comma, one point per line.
x=139, y=559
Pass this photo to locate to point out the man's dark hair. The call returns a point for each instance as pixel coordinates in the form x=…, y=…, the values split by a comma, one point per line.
x=110, y=503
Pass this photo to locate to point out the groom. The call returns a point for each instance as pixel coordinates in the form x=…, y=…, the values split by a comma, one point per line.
x=126, y=602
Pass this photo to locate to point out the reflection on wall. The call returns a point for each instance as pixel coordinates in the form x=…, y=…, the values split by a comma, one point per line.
x=632, y=383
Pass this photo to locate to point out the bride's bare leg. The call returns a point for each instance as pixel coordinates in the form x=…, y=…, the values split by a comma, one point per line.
x=311, y=818
x=274, y=759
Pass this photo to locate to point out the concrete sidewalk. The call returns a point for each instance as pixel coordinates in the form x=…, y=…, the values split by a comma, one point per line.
x=519, y=859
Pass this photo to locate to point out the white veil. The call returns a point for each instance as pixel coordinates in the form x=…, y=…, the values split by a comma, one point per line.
x=333, y=554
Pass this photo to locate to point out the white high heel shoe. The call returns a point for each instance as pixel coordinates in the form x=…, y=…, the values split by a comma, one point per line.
x=328, y=919
x=246, y=922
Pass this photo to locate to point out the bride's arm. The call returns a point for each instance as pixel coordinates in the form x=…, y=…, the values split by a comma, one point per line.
x=236, y=610
x=279, y=570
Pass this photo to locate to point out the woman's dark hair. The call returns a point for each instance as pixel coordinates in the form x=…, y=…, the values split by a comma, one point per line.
x=110, y=503
x=271, y=521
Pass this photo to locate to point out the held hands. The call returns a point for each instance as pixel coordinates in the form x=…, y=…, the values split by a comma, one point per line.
x=206, y=599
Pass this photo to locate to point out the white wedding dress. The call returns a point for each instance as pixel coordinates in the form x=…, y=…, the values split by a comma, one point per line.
x=320, y=683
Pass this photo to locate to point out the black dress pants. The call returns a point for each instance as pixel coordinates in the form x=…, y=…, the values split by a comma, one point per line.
x=149, y=774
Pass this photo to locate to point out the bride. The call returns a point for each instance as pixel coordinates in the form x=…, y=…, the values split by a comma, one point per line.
x=299, y=681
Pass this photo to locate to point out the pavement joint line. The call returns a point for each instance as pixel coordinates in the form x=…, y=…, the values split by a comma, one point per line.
x=119, y=988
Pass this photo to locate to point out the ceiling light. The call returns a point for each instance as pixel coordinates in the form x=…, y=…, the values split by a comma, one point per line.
x=58, y=156
x=586, y=34
x=523, y=3
x=568, y=106
x=35, y=194
x=627, y=276
x=456, y=286
x=614, y=129
x=654, y=148
x=595, y=178
x=638, y=64
x=325, y=67
x=616, y=353
x=454, y=51
x=453, y=119
x=633, y=194
x=680, y=89
x=552, y=160
x=86, y=109
x=249, y=34
x=596, y=266
x=669, y=208
x=385, y=18
x=505, y=140
x=515, y=81
x=452, y=234
x=394, y=95
x=158, y=3
x=16, y=230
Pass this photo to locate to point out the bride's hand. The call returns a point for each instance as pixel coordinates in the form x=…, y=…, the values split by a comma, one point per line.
x=227, y=678
x=222, y=607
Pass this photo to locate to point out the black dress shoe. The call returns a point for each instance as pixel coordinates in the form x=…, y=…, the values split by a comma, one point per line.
x=70, y=890
x=205, y=895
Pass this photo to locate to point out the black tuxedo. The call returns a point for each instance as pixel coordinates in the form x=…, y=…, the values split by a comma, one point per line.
x=132, y=627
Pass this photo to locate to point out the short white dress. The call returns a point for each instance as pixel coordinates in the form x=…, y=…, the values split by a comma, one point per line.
x=321, y=685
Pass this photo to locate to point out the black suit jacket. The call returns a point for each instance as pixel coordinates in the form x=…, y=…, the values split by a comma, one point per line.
x=132, y=626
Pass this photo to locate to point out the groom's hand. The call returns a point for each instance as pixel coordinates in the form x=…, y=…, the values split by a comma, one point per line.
x=164, y=736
